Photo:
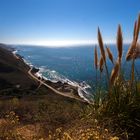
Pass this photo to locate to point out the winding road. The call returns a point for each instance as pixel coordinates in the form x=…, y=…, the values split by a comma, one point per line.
x=66, y=94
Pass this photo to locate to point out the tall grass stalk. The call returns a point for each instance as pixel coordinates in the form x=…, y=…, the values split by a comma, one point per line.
x=110, y=55
x=96, y=63
x=101, y=45
x=119, y=44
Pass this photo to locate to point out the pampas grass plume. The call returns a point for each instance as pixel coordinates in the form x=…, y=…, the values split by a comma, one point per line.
x=95, y=58
x=114, y=73
x=101, y=45
x=119, y=43
x=101, y=64
x=110, y=55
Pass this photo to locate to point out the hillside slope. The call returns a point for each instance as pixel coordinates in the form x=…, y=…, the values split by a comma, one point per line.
x=13, y=72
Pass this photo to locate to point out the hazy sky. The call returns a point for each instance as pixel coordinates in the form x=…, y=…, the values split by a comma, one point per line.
x=59, y=21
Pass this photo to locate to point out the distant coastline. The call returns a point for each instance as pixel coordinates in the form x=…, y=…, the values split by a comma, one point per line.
x=75, y=90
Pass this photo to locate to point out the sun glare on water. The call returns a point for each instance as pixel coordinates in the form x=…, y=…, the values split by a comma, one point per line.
x=57, y=43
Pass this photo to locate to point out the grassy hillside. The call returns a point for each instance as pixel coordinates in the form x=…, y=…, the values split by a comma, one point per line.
x=13, y=72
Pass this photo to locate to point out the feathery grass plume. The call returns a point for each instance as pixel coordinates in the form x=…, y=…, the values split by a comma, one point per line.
x=137, y=29
x=96, y=63
x=101, y=45
x=114, y=73
x=134, y=32
x=119, y=43
x=110, y=56
x=101, y=64
x=95, y=58
x=131, y=51
x=134, y=49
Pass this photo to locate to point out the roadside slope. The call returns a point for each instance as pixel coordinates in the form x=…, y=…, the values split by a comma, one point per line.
x=13, y=72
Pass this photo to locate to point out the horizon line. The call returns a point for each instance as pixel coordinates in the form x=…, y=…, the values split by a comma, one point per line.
x=60, y=43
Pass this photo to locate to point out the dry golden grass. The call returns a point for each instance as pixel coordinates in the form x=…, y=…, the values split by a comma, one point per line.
x=95, y=58
x=119, y=43
x=134, y=32
x=103, y=55
x=39, y=127
x=101, y=45
x=131, y=54
x=131, y=51
x=120, y=100
x=137, y=29
x=101, y=64
x=114, y=73
x=110, y=55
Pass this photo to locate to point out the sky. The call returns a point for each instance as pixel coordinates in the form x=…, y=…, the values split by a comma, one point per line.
x=63, y=22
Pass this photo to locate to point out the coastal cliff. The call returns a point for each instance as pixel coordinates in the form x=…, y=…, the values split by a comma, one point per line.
x=13, y=71
x=14, y=75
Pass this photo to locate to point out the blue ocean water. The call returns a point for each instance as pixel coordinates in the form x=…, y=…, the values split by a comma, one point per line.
x=74, y=63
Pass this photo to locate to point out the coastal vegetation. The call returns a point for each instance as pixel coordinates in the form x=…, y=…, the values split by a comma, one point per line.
x=120, y=102
x=31, y=113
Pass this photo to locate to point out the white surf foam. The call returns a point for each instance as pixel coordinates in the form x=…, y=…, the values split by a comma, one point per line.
x=54, y=76
x=15, y=51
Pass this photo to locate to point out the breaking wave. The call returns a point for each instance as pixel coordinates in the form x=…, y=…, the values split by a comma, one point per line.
x=54, y=76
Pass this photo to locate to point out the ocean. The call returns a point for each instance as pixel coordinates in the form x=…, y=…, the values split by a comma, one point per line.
x=71, y=64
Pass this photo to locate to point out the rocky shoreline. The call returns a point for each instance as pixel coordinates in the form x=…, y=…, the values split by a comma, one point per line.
x=63, y=87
